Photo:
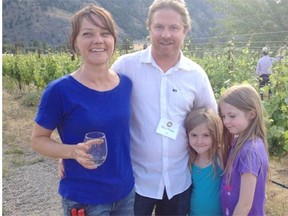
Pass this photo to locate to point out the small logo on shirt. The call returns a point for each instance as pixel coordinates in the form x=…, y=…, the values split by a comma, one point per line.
x=228, y=187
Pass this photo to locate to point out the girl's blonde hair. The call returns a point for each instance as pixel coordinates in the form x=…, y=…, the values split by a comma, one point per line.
x=245, y=98
x=214, y=124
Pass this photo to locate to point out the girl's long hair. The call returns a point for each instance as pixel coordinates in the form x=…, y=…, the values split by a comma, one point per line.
x=245, y=98
x=214, y=123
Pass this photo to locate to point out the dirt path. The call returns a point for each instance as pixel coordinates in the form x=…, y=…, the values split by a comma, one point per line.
x=30, y=181
x=32, y=190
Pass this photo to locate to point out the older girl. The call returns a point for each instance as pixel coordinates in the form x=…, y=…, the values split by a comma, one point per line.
x=244, y=182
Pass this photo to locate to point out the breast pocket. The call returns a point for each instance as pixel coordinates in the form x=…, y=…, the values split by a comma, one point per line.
x=181, y=102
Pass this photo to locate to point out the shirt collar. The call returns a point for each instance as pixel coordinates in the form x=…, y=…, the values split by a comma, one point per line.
x=183, y=64
x=146, y=56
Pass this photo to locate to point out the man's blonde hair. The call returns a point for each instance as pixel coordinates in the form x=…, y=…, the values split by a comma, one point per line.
x=177, y=5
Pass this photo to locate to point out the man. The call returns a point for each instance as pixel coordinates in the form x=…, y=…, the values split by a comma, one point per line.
x=264, y=68
x=166, y=86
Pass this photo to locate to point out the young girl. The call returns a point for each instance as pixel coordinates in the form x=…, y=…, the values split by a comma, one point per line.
x=246, y=152
x=204, y=131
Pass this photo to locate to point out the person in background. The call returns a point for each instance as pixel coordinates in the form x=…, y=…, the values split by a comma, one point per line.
x=166, y=87
x=264, y=69
x=204, y=130
x=92, y=98
x=246, y=158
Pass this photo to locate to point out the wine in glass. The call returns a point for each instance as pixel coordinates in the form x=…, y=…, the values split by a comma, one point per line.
x=98, y=151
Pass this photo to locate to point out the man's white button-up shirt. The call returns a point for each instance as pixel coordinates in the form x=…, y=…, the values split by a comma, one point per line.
x=160, y=162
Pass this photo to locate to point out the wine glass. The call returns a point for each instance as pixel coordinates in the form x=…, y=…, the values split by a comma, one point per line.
x=98, y=151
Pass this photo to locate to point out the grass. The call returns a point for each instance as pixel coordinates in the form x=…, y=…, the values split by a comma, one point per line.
x=17, y=124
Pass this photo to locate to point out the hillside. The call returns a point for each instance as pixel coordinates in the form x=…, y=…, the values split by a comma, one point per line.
x=42, y=21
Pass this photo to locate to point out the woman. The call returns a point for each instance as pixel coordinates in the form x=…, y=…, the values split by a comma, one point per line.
x=92, y=98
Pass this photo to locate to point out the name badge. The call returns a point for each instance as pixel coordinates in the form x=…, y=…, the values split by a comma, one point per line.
x=168, y=128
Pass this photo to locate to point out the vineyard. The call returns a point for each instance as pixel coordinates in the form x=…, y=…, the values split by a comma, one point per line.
x=30, y=73
x=30, y=180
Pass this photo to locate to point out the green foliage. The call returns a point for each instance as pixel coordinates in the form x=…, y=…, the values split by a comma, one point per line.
x=31, y=99
x=225, y=67
x=277, y=109
x=233, y=66
x=30, y=69
x=126, y=46
x=228, y=66
x=257, y=19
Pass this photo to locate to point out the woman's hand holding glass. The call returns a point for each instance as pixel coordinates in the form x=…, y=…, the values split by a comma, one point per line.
x=93, y=151
x=99, y=150
x=82, y=156
x=90, y=154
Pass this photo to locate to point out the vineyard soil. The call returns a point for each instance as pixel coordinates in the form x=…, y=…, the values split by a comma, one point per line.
x=30, y=181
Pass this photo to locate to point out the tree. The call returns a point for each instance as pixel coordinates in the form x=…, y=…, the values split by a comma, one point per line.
x=263, y=22
x=127, y=45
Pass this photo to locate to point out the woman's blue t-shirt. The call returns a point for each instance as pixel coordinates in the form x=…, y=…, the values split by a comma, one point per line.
x=74, y=110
